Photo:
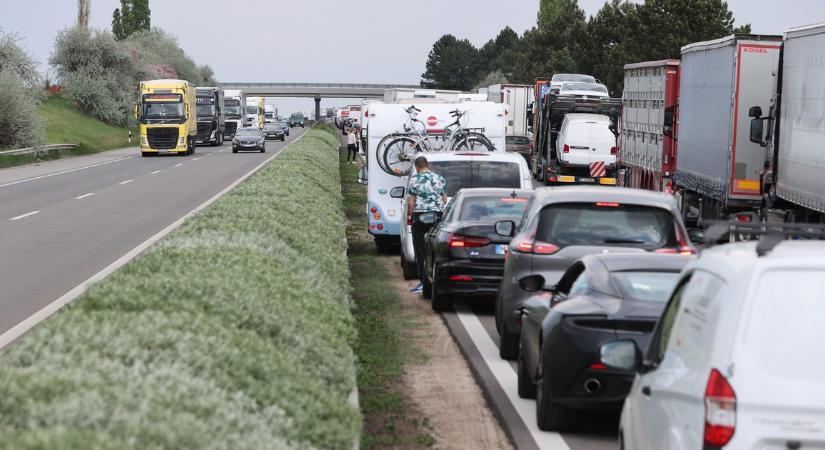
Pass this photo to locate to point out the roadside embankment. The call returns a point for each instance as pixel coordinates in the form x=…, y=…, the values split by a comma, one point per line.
x=233, y=332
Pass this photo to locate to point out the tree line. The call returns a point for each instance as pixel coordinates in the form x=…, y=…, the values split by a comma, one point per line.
x=565, y=40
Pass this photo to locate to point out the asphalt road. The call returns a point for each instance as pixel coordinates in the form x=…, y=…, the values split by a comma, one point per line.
x=62, y=222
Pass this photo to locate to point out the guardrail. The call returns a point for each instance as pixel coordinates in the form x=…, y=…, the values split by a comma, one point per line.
x=42, y=148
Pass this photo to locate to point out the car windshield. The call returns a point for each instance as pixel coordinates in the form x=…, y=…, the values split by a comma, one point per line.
x=606, y=223
x=249, y=132
x=271, y=126
x=492, y=209
x=464, y=174
x=584, y=87
x=517, y=140
x=573, y=77
x=647, y=286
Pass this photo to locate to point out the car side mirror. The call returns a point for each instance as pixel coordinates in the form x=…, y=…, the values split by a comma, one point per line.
x=429, y=218
x=397, y=192
x=620, y=354
x=696, y=236
x=505, y=228
x=363, y=175
x=757, y=130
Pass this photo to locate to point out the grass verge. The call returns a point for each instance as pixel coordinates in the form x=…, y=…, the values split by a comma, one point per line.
x=234, y=332
x=389, y=420
x=64, y=124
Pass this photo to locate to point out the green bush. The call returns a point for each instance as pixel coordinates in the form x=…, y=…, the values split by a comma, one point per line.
x=19, y=95
x=234, y=332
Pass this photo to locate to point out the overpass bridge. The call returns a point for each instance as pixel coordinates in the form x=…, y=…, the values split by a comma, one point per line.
x=315, y=90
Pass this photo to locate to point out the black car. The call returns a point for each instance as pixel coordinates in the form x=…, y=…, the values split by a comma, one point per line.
x=273, y=131
x=464, y=255
x=564, y=224
x=250, y=138
x=284, y=126
x=600, y=299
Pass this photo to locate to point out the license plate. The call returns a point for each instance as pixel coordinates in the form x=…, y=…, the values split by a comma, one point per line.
x=163, y=151
x=499, y=249
x=587, y=180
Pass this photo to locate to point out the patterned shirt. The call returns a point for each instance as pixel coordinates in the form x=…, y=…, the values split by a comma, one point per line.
x=428, y=189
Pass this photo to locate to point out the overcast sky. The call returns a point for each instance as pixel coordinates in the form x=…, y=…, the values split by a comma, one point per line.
x=366, y=41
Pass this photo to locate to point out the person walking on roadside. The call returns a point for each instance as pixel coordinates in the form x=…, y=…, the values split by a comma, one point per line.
x=352, y=145
x=427, y=194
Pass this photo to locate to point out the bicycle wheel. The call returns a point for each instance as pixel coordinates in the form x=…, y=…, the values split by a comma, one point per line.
x=381, y=147
x=473, y=142
x=398, y=156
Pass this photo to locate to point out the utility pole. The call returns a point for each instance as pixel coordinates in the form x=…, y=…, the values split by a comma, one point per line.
x=83, y=8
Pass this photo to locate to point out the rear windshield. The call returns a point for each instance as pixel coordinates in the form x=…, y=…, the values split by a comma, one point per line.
x=492, y=209
x=463, y=174
x=517, y=140
x=573, y=77
x=566, y=224
x=584, y=87
x=647, y=286
x=248, y=132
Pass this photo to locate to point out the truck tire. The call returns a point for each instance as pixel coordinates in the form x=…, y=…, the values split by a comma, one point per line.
x=146, y=154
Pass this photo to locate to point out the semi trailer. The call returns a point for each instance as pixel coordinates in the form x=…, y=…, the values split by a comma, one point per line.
x=516, y=98
x=167, y=117
x=793, y=131
x=718, y=168
x=211, y=116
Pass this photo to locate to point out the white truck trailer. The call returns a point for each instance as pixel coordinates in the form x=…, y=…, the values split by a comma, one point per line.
x=793, y=185
x=234, y=102
x=516, y=99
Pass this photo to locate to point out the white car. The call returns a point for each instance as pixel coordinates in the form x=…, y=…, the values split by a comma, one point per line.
x=736, y=361
x=585, y=91
x=465, y=170
x=584, y=139
x=560, y=79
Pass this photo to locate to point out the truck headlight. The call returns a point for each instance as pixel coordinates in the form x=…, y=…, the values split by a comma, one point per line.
x=143, y=141
x=182, y=141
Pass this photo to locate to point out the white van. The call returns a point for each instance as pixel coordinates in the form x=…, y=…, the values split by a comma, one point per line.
x=736, y=362
x=584, y=139
x=465, y=170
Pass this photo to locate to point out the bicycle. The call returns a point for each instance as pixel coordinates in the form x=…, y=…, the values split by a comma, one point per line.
x=395, y=152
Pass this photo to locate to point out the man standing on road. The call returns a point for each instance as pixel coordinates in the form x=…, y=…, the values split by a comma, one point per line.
x=352, y=145
x=427, y=194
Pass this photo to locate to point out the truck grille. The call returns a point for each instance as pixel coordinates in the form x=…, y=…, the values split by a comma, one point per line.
x=162, y=138
x=204, y=130
x=231, y=128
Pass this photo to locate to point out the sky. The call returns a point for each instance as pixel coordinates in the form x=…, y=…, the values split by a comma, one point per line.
x=360, y=41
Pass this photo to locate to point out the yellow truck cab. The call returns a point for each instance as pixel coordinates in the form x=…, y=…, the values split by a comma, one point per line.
x=167, y=116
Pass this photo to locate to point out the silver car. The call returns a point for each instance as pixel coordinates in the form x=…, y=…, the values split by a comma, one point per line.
x=563, y=224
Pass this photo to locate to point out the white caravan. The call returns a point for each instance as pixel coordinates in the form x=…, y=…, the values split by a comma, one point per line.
x=516, y=99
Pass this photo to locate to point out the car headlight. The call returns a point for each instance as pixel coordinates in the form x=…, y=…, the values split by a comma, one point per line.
x=235, y=142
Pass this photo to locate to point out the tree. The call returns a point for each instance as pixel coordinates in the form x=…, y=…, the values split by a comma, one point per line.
x=452, y=64
x=494, y=77
x=83, y=14
x=131, y=17
x=607, y=47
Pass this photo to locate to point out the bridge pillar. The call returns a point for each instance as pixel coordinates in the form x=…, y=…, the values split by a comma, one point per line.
x=317, y=108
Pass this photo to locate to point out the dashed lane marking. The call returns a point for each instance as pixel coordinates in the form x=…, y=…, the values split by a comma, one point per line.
x=23, y=216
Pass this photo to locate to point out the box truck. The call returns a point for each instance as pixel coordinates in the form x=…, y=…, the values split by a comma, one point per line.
x=167, y=117
x=647, y=126
x=234, y=103
x=211, y=116
x=516, y=99
x=793, y=131
x=718, y=167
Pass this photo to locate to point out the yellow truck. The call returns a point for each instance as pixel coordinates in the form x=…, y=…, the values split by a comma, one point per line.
x=167, y=116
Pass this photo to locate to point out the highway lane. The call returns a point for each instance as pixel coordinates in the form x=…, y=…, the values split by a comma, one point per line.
x=62, y=222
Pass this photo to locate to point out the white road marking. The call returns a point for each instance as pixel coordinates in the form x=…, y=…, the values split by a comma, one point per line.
x=195, y=159
x=156, y=172
x=31, y=321
x=507, y=379
x=81, y=197
x=23, y=216
x=178, y=164
x=64, y=172
x=127, y=181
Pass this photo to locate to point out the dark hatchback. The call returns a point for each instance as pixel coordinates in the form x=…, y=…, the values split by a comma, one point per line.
x=569, y=337
x=464, y=255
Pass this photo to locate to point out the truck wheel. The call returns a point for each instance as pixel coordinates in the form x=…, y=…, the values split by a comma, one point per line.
x=145, y=154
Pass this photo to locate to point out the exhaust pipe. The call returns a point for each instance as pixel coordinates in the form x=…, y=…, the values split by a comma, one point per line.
x=592, y=386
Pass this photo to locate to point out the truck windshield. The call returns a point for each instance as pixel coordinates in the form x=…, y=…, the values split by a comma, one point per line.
x=233, y=111
x=252, y=110
x=162, y=110
x=206, y=110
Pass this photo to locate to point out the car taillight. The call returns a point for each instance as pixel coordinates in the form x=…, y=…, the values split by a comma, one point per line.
x=613, y=151
x=684, y=246
x=537, y=247
x=685, y=250
x=720, y=411
x=743, y=218
x=409, y=220
x=460, y=241
x=373, y=210
x=566, y=148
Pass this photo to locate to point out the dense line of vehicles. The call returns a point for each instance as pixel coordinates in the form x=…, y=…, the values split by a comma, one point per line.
x=174, y=117
x=601, y=294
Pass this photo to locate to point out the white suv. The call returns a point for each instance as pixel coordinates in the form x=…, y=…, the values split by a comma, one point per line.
x=736, y=361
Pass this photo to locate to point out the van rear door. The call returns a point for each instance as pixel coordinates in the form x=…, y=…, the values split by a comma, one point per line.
x=602, y=143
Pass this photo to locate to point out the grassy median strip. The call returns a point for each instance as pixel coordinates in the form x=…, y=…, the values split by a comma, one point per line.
x=234, y=332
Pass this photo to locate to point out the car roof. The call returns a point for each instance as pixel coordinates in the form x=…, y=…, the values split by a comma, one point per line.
x=584, y=117
x=730, y=260
x=620, y=262
x=486, y=192
x=575, y=194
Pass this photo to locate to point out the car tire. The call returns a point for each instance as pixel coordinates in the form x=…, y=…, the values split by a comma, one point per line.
x=552, y=416
x=508, y=345
x=439, y=302
x=283, y=138
x=428, y=284
x=409, y=270
x=234, y=150
x=526, y=387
